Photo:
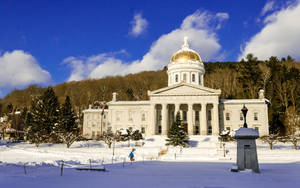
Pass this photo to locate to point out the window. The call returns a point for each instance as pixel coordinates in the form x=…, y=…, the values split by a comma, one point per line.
x=209, y=115
x=143, y=130
x=93, y=134
x=184, y=115
x=228, y=128
x=159, y=129
x=241, y=116
x=184, y=77
x=209, y=129
x=257, y=129
x=197, y=130
x=143, y=117
x=199, y=79
x=172, y=115
x=193, y=77
x=227, y=116
x=255, y=116
x=160, y=118
x=176, y=78
x=109, y=129
x=197, y=116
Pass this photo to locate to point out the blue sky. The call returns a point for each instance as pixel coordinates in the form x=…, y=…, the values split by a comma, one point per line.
x=49, y=42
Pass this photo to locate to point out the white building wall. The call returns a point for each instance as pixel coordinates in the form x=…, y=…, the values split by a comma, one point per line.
x=92, y=122
x=234, y=109
x=124, y=116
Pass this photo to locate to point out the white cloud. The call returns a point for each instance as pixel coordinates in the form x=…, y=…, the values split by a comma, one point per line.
x=139, y=25
x=19, y=69
x=269, y=6
x=200, y=27
x=279, y=37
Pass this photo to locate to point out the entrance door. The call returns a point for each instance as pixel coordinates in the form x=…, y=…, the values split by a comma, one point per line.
x=247, y=156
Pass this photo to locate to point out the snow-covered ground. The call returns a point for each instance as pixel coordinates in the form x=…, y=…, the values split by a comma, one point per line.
x=198, y=166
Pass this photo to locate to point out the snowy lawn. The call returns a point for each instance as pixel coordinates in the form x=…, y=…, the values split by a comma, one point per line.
x=153, y=174
x=197, y=166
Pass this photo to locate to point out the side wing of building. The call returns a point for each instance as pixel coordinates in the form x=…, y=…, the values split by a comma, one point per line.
x=130, y=114
x=231, y=117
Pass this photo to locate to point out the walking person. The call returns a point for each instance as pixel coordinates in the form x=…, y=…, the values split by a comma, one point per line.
x=131, y=155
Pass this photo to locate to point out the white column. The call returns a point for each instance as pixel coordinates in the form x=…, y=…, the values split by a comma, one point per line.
x=203, y=121
x=164, y=118
x=152, y=126
x=190, y=119
x=215, y=117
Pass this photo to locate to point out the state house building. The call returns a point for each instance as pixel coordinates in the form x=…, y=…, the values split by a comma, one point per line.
x=202, y=112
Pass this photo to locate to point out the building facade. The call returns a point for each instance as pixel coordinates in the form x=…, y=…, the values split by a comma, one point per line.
x=201, y=110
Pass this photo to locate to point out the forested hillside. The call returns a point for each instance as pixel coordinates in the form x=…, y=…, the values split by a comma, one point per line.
x=279, y=78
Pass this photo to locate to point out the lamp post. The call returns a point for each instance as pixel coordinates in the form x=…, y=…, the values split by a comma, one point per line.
x=244, y=111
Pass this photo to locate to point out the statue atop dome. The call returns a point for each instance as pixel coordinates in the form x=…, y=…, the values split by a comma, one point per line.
x=185, y=45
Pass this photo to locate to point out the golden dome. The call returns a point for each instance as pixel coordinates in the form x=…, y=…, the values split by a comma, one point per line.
x=185, y=54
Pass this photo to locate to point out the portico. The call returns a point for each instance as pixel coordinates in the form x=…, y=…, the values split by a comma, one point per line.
x=198, y=111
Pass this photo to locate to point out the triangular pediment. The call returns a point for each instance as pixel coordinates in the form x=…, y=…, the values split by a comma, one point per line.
x=185, y=89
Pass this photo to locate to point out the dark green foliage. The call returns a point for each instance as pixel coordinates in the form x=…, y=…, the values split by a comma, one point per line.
x=66, y=129
x=176, y=134
x=45, y=115
x=35, y=133
x=250, y=76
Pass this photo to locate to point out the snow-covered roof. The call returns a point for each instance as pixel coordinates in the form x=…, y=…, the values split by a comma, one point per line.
x=18, y=112
x=242, y=101
x=95, y=110
x=246, y=133
x=129, y=103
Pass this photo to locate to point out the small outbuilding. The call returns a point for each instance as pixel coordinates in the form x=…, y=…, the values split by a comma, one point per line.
x=246, y=149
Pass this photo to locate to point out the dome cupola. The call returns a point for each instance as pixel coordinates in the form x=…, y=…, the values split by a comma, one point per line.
x=186, y=66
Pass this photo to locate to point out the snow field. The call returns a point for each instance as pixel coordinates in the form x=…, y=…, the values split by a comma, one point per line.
x=198, y=166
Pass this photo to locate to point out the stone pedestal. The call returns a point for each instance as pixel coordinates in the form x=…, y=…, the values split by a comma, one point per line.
x=246, y=149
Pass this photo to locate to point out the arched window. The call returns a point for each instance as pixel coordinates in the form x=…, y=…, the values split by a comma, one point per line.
x=193, y=77
x=176, y=78
x=199, y=79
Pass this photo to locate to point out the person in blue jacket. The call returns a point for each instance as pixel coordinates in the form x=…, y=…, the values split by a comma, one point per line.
x=131, y=155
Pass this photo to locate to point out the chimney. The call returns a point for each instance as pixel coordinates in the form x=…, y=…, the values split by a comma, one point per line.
x=261, y=94
x=115, y=97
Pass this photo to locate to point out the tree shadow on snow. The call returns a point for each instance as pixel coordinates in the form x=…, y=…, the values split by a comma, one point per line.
x=193, y=143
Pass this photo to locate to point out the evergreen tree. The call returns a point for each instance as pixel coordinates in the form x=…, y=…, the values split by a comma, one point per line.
x=250, y=77
x=67, y=128
x=45, y=114
x=177, y=135
x=35, y=134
